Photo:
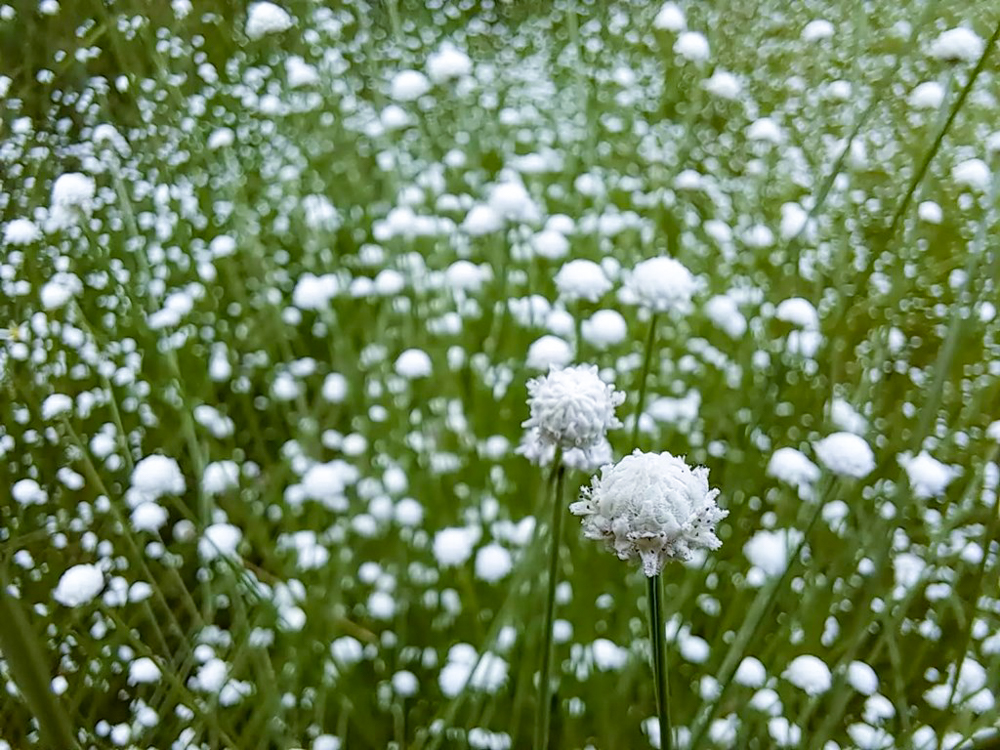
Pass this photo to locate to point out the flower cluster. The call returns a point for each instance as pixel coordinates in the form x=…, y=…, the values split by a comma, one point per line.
x=571, y=408
x=651, y=506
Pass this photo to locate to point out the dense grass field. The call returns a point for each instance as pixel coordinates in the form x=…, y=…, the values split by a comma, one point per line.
x=273, y=284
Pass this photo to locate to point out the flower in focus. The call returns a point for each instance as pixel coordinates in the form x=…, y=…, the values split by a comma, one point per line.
x=651, y=506
x=571, y=408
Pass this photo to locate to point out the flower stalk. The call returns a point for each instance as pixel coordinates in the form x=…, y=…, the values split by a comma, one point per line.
x=660, y=686
x=543, y=721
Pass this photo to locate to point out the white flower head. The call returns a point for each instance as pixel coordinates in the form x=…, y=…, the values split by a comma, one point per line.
x=660, y=284
x=572, y=407
x=957, y=45
x=652, y=507
x=265, y=18
x=928, y=476
x=846, y=454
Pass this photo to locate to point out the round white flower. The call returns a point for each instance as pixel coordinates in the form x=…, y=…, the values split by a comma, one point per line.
x=413, y=364
x=652, y=507
x=265, y=18
x=660, y=284
x=972, y=174
x=928, y=476
x=21, y=232
x=792, y=466
x=73, y=189
x=670, y=18
x=547, y=351
x=604, y=328
x=79, y=585
x=693, y=46
x=957, y=45
x=809, y=673
x=408, y=85
x=155, y=476
x=448, y=62
x=799, y=312
x=846, y=454
x=572, y=407
x=582, y=279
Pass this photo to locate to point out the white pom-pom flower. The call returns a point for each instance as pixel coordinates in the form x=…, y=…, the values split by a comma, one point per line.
x=652, y=507
x=572, y=407
x=79, y=585
x=957, y=45
x=660, y=284
x=265, y=18
x=928, y=476
x=846, y=454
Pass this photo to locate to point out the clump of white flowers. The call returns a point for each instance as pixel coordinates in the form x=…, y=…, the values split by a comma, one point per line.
x=651, y=506
x=572, y=408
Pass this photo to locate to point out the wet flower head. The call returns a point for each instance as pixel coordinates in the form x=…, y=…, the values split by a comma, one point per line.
x=651, y=506
x=572, y=407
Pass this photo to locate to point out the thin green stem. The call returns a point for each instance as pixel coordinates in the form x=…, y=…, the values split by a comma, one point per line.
x=643, y=377
x=545, y=683
x=660, y=684
x=25, y=655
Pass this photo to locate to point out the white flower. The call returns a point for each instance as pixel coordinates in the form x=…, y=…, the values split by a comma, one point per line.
x=693, y=46
x=20, y=232
x=651, y=506
x=792, y=466
x=156, y=476
x=809, y=673
x=266, y=18
x=928, y=476
x=548, y=351
x=79, y=585
x=972, y=174
x=846, y=454
x=670, y=18
x=408, y=85
x=660, y=284
x=572, y=407
x=56, y=405
x=448, y=62
x=582, y=279
x=957, y=45
x=798, y=311
x=73, y=189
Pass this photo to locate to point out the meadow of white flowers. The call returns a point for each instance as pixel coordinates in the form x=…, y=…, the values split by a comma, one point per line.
x=328, y=331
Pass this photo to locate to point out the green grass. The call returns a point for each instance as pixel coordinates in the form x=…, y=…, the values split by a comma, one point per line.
x=544, y=78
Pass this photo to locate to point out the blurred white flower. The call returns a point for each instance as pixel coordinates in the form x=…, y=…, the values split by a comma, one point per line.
x=79, y=585
x=652, y=507
x=809, y=673
x=669, y=18
x=572, y=407
x=448, y=62
x=957, y=45
x=582, y=279
x=692, y=46
x=793, y=467
x=408, y=85
x=660, y=284
x=928, y=476
x=265, y=18
x=73, y=190
x=846, y=454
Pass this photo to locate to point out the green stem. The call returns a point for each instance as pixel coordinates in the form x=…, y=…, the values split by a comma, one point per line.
x=26, y=661
x=656, y=635
x=643, y=377
x=544, y=682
